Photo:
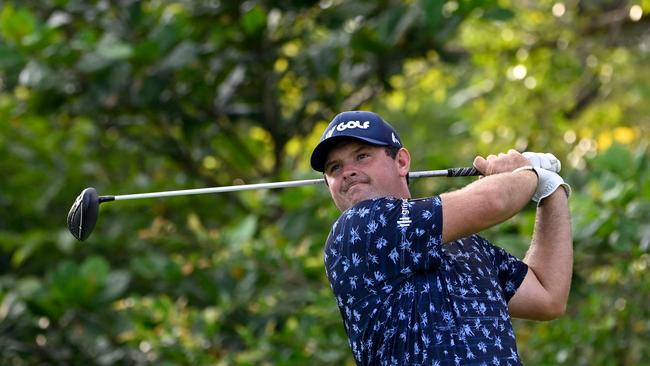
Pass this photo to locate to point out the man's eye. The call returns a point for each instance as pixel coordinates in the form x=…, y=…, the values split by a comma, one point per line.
x=333, y=168
x=362, y=156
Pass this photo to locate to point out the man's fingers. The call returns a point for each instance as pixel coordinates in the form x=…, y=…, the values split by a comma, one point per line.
x=513, y=159
x=480, y=164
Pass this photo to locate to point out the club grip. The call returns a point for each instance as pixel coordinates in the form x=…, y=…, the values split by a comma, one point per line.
x=462, y=172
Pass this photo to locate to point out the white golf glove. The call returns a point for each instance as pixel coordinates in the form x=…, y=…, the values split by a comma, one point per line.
x=546, y=161
x=547, y=183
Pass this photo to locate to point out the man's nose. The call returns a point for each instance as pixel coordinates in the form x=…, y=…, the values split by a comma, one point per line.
x=349, y=171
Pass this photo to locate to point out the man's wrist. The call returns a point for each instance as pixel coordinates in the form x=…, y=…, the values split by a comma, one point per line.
x=559, y=195
x=525, y=168
x=549, y=182
x=528, y=169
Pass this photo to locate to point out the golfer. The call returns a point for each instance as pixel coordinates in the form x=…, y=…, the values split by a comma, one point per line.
x=414, y=282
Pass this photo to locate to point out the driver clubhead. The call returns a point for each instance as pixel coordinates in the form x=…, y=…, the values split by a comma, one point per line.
x=83, y=214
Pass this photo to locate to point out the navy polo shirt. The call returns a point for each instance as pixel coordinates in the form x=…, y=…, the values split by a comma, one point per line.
x=407, y=299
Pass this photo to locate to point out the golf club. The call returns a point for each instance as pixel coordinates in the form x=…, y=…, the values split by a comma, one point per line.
x=84, y=212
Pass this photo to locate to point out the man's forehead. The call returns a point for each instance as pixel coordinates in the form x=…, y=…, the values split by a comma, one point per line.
x=347, y=146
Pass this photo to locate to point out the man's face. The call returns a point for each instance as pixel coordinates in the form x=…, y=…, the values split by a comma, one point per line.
x=356, y=171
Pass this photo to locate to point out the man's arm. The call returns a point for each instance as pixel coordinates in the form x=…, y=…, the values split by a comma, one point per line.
x=544, y=292
x=490, y=200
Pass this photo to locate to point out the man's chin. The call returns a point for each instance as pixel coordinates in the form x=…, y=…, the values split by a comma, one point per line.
x=349, y=202
x=360, y=197
x=355, y=194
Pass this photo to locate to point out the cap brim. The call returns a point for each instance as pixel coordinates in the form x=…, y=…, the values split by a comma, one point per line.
x=319, y=155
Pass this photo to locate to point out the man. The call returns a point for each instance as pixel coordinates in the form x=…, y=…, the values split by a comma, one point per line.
x=414, y=283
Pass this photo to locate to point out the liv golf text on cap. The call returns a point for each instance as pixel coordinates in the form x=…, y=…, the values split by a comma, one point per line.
x=358, y=125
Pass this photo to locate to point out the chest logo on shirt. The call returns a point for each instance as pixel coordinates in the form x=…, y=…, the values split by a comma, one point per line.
x=405, y=218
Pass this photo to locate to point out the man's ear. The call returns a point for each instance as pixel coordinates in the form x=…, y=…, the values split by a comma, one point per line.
x=403, y=161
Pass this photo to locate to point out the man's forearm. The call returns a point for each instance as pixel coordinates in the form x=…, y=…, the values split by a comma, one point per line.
x=485, y=203
x=551, y=252
x=510, y=191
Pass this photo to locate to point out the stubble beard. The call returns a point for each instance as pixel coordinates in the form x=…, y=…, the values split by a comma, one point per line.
x=357, y=190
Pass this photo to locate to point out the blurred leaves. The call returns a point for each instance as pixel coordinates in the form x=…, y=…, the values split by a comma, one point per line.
x=608, y=313
x=132, y=96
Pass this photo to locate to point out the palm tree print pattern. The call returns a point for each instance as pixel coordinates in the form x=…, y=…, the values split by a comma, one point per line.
x=407, y=299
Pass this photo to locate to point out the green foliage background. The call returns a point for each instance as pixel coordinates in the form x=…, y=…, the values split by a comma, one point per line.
x=135, y=96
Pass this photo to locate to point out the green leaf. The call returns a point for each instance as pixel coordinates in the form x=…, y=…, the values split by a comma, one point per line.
x=149, y=267
x=10, y=307
x=244, y=231
x=107, y=50
x=24, y=252
x=36, y=75
x=616, y=159
x=146, y=52
x=94, y=271
x=9, y=58
x=91, y=62
x=15, y=24
x=433, y=13
x=184, y=53
x=254, y=20
x=498, y=13
x=115, y=285
x=111, y=49
x=66, y=286
x=365, y=39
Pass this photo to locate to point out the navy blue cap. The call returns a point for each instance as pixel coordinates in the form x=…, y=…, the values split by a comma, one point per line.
x=357, y=125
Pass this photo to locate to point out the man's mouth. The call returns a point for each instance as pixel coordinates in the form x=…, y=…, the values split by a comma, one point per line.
x=352, y=184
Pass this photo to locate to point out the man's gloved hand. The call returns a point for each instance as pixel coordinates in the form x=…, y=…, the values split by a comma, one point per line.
x=545, y=161
x=546, y=165
x=547, y=183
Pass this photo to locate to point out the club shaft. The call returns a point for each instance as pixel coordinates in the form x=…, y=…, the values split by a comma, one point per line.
x=453, y=172
x=235, y=188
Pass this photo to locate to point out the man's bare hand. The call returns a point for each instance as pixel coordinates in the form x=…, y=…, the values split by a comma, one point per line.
x=501, y=163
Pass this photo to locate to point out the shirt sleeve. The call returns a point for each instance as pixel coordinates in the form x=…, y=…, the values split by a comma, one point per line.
x=511, y=271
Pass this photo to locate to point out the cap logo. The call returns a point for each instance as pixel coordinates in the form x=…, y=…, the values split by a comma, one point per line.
x=329, y=133
x=395, y=140
x=352, y=124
